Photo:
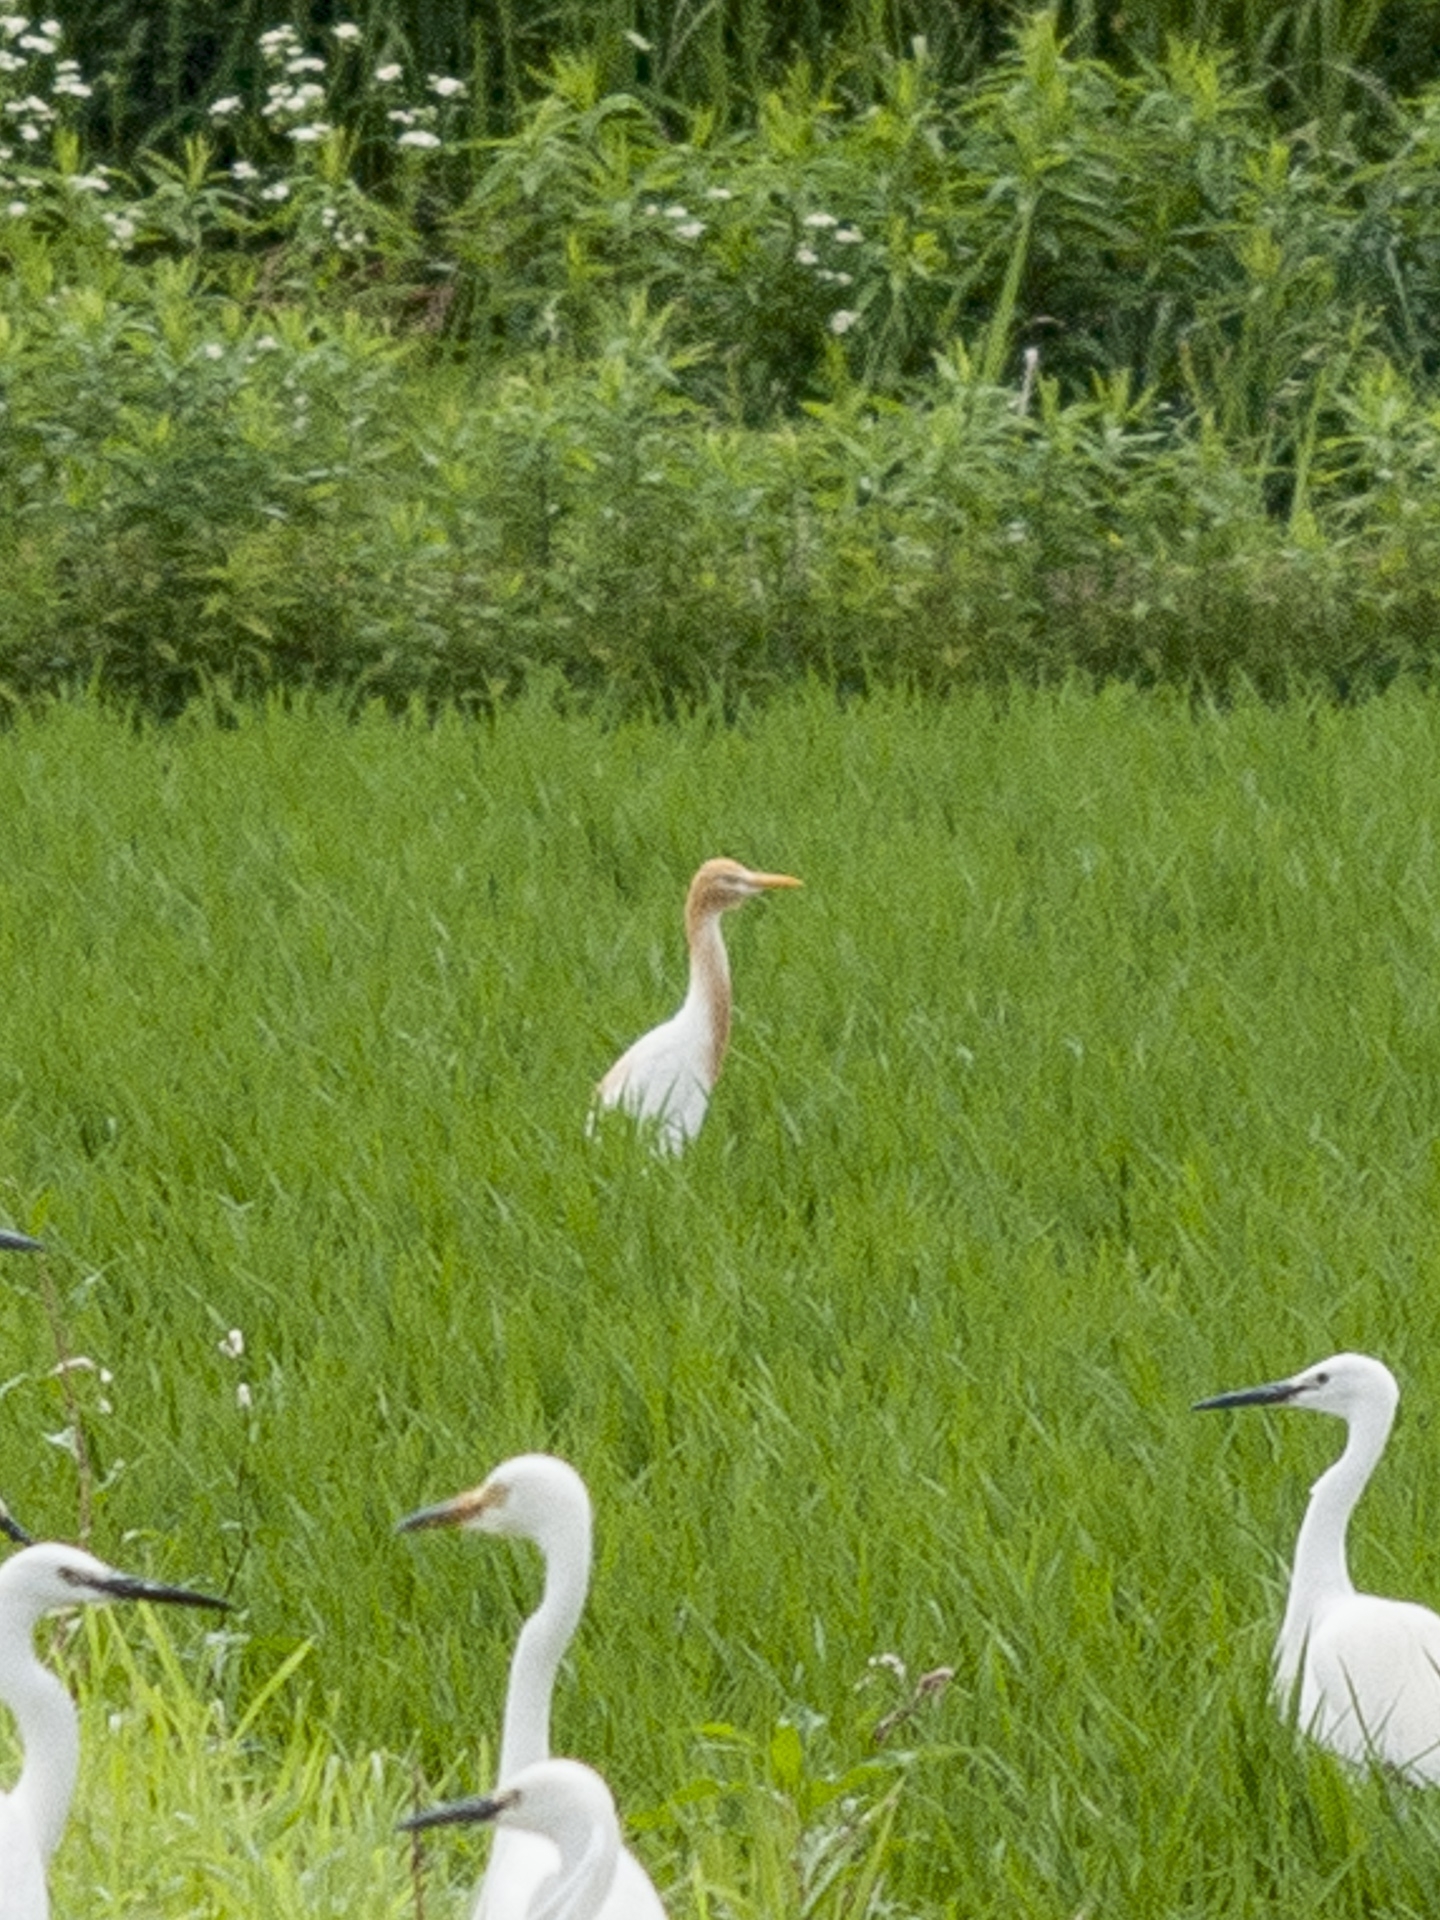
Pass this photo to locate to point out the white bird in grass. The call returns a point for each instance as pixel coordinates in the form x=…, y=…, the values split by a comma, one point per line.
x=32, y=1815
x=1368, y=1668
x=568, y=1806
x=537, y=1497
x=670, y=1072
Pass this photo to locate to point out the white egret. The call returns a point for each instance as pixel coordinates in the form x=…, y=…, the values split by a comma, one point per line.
x=1368, y=1668
x=670, y=1072
x=33, y=1583
x=539, y=1498
x=567, y=1805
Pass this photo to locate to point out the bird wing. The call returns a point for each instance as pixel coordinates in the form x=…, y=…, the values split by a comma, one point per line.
x=22, y=1872
x=1372, y=1683
x=520, y=1865
x=661, y=1078
x=632, y=1894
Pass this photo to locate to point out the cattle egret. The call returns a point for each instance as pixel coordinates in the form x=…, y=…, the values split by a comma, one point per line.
x=570, y=1807
x=537, y=1497
x=12, y=1242
x=670, y=1072
x=32, y=1815
x=1368, y=1668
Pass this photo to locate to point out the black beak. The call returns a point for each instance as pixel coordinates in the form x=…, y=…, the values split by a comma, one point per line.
x=458, y=1813
x=124, y=1586
x=12, y=1528
x=12, y=1242
x=1273, y=1394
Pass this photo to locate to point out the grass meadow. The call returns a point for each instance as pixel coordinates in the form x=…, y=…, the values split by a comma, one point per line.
x=1096, y=1068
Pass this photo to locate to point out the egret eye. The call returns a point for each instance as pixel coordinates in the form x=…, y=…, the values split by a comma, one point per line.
x=1322, y=1379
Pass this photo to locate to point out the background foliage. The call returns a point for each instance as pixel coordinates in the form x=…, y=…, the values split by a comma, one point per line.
x=1078, y=358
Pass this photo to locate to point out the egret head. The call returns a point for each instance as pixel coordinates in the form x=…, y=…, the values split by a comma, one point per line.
x=1347, y=1384
x=722, y=884
x=39, y=1579
x=528, y=1498
x=555, y=1797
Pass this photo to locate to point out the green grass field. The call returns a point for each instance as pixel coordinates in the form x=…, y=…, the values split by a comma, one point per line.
x=1096, y=1068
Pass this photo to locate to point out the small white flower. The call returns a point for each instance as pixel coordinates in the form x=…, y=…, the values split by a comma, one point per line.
x=72, y=87
x=222, y=109
x=11, y=63
x=418, y=137
x=806, y=256
x=50, y=27
x=308, y=136
x=346, y=31
x=267, y=343
x=387, y=75
x=279, y=190
x=27, y=132
x=847, y=236
x=305, y=63
x=821, y=220
x=122, y=229
x=447, y=88
x=213, y=350
x=244, y=170
x=89, y=183
x=677, y=212
x=401, y=117
x=37, y=43
x=233, y=1345
x=12, y=23
x=242, y=1397
x=690, y=230
x=843, y=320
x=17, y=209
x=718, y=193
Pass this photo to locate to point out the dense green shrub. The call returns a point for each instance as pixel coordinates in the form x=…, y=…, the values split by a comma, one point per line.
x=1071, y=370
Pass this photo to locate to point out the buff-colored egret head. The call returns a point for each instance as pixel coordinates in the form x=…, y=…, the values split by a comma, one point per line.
x=722, y=884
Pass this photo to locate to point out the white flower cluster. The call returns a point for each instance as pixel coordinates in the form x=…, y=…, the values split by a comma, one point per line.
x=34, y=103
x=829, y=231
x=684, y=224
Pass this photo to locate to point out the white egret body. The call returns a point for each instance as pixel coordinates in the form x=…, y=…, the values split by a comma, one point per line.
x=539, y=1498
x=670, y=1072
x=1368, y=1668
x=569, y=1806
x=33, y=1583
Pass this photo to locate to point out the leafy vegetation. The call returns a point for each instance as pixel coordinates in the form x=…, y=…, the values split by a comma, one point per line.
x=1092, y=1071
x=1070, y=369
